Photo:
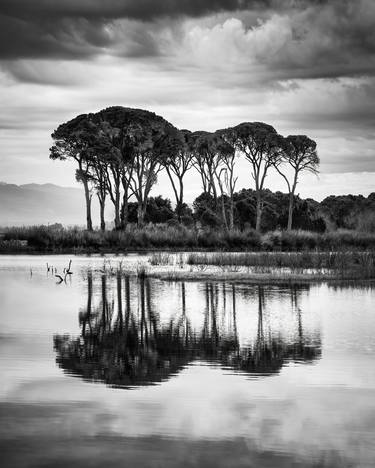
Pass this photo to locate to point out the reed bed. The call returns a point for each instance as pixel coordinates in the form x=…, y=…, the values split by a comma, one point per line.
x=271, y=267
x=161, y=258
x=166, y=237
x=348, y=264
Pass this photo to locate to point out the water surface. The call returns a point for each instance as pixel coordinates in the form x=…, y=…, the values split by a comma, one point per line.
x=121, y=371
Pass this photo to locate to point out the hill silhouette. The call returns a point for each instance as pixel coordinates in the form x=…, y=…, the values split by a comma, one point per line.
x=40, y=204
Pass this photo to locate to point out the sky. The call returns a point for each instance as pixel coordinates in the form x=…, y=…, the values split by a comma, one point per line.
x=303, y=66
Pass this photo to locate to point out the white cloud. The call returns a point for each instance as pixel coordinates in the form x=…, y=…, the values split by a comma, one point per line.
x=231, y=43
x=205, y=73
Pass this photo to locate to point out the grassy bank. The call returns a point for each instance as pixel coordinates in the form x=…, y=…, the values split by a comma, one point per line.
x=338, y=261
x=254, y=267
x=277, y=278
x=275, y=266
x=165, y=237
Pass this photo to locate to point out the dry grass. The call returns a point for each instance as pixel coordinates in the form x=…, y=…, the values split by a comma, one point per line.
x=345, y=264
x=165, y=237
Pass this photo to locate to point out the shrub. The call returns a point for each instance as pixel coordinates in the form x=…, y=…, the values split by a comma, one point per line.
x=175, y=236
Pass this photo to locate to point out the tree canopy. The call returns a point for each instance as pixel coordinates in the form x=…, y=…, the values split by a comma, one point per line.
x=120, y=151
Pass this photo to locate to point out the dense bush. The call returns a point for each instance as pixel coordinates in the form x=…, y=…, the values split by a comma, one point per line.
x=349, y=212
x=306, y=214
x=176, y=236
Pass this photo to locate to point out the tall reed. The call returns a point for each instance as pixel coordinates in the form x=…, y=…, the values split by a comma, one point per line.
x=345, y=263
x=162, y=236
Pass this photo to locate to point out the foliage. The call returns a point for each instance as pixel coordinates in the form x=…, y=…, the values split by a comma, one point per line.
x=275, y=211
x=120, y=151
x=158, y=210
x=348, y=211
x=164, y=236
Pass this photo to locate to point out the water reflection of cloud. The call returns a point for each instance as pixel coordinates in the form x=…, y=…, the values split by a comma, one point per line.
x=308, y=422
x=321, y=414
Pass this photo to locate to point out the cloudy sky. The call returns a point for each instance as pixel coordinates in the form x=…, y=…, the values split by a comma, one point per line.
x=304, y=66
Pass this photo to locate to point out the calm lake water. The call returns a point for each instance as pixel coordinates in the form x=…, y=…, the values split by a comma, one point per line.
x=117, y=371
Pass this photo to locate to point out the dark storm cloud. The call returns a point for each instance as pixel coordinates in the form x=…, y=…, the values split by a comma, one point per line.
x=324, y=38
x=144, y=10
x=135, y=9
x=62, y=39
x=78, y=28
x=70, y=38
x=338, y=40
x=72, y=29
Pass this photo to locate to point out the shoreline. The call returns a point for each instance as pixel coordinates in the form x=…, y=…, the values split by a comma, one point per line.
x=276, y=277
x=172, y=250
x=266, y=278
x=251, y=267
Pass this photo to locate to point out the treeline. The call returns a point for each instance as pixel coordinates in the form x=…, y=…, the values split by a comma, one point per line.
x=121, y=151
x=337, y=223
x=350, y=212
x=202, y=213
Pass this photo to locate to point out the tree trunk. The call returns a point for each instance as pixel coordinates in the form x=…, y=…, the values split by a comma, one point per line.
x=180, y=202
x=231, y=214
x=124, y=212
x=117, y=209
x=178, y=194
x=102, y=214
x=224, y=215
x=258, y=213
x=141, y=214
x=179, y=211
x=214, y=194
x=290, y=211
x=88, y=204
x=291, y=200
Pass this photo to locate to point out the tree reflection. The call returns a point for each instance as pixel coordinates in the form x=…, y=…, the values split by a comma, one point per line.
x=127, y=350
x=125, y=343
x=270, y=352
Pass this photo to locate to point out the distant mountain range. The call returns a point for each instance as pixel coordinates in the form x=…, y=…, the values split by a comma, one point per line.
x=41, y=204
